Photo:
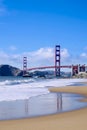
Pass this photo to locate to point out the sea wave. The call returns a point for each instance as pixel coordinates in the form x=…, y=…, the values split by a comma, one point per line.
x=15, y=82
x=18, y=89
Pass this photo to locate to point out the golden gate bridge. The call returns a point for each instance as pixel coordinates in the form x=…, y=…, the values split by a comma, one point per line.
x=57, y=65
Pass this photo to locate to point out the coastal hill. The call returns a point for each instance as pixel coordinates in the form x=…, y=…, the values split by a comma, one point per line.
x=7, y=70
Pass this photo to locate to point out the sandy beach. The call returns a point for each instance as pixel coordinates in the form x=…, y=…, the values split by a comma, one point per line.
x=74, y=120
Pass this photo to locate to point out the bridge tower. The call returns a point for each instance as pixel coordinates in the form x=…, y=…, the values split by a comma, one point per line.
x=57, y=60
x=24, y=66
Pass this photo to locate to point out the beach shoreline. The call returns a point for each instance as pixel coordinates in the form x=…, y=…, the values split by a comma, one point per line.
x=72, y=120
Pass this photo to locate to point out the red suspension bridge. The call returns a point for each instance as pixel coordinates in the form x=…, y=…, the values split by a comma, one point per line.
x=57, y=66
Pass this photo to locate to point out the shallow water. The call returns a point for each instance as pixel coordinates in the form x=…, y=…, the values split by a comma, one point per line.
x=41, y=105
x=78, y=84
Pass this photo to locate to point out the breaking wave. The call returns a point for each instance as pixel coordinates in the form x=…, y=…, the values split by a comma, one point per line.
x=23, y=88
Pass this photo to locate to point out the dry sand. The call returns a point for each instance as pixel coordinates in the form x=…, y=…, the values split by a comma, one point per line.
x=74, y=120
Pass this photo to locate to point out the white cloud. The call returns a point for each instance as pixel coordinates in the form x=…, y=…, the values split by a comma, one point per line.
x=4, y=58
x=85, y=48
x=3, y=55
x=45, y=57
x=44, y=53
x=12, y=48
x=64, y=54
x=13, y=60
x=84, y=55
x=41, y=57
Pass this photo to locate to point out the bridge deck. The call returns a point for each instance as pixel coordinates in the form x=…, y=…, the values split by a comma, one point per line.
x=46, y=67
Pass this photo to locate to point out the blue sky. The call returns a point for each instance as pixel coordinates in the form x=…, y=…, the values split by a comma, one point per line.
x=32, y=28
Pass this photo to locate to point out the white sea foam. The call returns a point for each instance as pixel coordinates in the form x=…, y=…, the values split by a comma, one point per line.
x=26, y=88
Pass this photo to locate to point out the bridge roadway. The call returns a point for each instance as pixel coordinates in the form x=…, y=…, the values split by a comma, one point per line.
x=46, y=67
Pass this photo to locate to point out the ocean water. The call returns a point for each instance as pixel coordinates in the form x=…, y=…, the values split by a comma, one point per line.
x=20, y=88
x=27, y=97
x=51, y=103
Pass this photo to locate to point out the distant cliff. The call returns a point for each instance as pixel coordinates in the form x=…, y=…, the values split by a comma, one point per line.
x=7, y=70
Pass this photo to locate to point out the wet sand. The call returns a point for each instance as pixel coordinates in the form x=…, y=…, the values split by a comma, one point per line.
x=74, y=120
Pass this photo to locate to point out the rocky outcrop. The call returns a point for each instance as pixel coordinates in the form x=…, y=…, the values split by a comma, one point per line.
x=7, y=70
x=81, y=75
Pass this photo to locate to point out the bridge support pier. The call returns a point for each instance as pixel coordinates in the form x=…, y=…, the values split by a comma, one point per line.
x=82, y=68
x=75, y=69
x=57, y=60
